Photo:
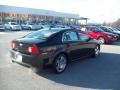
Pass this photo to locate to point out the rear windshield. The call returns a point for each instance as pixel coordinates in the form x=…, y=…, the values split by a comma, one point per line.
x=42, y=34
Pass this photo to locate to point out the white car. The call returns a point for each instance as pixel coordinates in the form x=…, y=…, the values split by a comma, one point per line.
x=41, y=26
x=2, y=27
x=25, y=27
x=30, y=26
x=12, y=26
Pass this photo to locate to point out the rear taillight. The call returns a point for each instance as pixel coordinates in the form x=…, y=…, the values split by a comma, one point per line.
x=13, y=45
x=33, y=50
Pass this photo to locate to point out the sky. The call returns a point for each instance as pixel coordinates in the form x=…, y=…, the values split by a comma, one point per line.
x=98, y=11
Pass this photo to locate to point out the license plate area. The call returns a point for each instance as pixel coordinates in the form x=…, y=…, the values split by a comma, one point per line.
x=18, y=57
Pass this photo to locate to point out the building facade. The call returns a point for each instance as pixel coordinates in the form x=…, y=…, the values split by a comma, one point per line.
x=21, y=15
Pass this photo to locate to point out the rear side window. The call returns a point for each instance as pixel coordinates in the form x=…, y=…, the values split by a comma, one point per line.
x=42, y=34
x=83, y=37
x=70, y=36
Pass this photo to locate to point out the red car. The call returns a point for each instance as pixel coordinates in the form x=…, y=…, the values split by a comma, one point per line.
x=98, y=34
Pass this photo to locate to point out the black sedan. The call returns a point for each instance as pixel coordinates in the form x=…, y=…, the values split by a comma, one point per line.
x=53, y=47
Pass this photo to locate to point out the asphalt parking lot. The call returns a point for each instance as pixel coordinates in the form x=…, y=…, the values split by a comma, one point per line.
x=100, y=73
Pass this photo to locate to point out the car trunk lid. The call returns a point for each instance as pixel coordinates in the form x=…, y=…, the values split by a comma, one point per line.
x=22, y=45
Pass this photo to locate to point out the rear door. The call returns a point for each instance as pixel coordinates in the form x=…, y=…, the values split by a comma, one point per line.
x=71, y=40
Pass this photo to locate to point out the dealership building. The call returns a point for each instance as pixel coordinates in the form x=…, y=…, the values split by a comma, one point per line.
x=21, y=15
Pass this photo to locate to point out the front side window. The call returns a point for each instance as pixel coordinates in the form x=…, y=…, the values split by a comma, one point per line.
x=83, y=37
x=70, y=36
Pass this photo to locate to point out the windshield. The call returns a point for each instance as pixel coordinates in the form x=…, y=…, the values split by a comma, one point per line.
x=99, y=29
x=114, y=29
x=42, y=34
x=13, y=23
x=105, y=29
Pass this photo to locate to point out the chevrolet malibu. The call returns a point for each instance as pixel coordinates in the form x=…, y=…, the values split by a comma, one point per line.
x=53, y=47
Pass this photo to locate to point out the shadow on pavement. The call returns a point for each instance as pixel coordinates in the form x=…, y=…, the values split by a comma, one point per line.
x=102, y=72
x=117, y=43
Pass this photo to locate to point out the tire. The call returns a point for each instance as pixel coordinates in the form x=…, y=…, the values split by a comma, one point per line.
x=29, y=28
x=60, y=63
x=10, y=28
x=13, y=61
x=96, y=51
x=102, y=40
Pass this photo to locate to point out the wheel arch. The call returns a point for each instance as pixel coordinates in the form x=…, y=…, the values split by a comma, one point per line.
x=64, y=53
x=103, y=38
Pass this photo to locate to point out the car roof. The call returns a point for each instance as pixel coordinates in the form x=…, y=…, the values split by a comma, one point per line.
x=60, y=29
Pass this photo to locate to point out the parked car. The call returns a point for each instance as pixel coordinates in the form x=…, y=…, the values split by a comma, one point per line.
x=12, y=26
x=114, y=30
x=30, y=26
x=25, y=26
x=2, y=27
x=41, y=26
x=53, y=47
x=76, y=27
x=96, y=33
x=104, y=28
x=118, y=28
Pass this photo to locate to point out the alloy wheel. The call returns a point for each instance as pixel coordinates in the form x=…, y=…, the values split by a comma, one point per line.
x=97, y=51
x=60, y=63
x=102, y=40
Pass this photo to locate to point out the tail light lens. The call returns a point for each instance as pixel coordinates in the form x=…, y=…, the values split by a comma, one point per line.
x=13, y=45
x=33, y=50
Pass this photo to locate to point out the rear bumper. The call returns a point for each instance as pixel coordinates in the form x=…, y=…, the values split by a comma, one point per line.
x=27, y=60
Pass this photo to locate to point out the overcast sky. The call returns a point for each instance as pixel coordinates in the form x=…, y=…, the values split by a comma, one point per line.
x=95, y=10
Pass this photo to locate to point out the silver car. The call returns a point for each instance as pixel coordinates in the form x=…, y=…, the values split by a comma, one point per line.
x=12, y=26
x=2, y=27
x=30, y=26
